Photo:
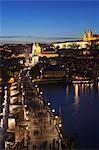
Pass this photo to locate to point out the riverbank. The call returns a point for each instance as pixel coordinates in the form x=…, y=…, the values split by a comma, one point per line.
x=80, y=111
x=62, y=81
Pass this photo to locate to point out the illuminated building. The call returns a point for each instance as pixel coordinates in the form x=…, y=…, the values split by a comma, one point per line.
x=54, y=71
x=66, y=44
x=87, y=37
x=90, y=36
x=38, y=51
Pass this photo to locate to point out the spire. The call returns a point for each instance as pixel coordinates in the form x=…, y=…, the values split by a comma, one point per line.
x=89, y=31
x=94, y=31
x=85, y=36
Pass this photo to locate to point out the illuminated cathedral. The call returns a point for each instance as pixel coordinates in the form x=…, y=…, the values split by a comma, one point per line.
x=36, y=49
x=90, y=36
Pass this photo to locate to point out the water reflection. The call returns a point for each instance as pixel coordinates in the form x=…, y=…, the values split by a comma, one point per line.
x=85, y=88
x=67, y=90
x=81, y=89
x=76, y=97
x=76, y=90
x=91, y=86
x=80, y=111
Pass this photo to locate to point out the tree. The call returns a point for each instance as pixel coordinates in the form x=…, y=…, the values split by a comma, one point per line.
x=35, y=71
x=94, y=47
x=57, y=47
x=6, y=73
x=87, y=46
x=74, y=46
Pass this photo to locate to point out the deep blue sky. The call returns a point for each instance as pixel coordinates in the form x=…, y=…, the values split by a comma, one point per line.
x=48, y=18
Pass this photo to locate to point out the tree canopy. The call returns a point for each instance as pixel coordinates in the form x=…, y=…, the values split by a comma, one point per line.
x=35, y=71
x=6, y=73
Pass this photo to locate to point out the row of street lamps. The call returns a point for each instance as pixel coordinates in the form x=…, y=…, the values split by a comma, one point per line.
x=58, y=121
x=53, y=110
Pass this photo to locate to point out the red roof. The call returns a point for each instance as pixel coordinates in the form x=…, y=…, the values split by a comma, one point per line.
x=96, y=35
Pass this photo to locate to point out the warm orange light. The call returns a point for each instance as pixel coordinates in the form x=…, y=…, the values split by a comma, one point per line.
x=76, y=77
x=38, y=90
x=60, y=125
x=11, y=80
x=27, y=118
x=76, y=98
x=56, y=117
x=84, y=52
x=11, y=123
x=27, y=112
x=27, y=128
x=0, y=79
x=76, y=90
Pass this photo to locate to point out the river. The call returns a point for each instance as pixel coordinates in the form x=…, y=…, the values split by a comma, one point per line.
x=79, y=105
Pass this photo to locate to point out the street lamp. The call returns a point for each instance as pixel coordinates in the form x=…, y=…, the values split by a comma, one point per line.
x=49, y=103
x=56, y=117
x=27, y=128
x=27, y=112
x=19, y=78
x=60, y=125
x=25, y=106
x=27, y=118
x=23, y=93
x=21, y=86
x=11, y=80
x=36, y=85
x=53, y=110
x=41, y=93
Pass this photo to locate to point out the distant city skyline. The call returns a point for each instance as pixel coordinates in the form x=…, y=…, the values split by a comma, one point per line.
x=48, y=18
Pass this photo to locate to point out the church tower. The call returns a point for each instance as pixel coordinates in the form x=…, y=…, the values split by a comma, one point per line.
x=33, y=49
x=85, y=38
x=90, y=36
x=36, y=49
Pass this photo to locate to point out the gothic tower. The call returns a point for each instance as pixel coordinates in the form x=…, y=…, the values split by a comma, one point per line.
x=85, y=38
x=90, y=35
x=33, y=49
x=36, y=49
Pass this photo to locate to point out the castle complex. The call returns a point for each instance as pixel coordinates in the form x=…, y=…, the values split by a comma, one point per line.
x=88, y=37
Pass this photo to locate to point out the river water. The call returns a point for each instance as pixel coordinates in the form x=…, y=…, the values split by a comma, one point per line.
x=79, y=105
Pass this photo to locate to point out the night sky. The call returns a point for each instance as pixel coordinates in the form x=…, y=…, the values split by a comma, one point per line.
x=48, y=18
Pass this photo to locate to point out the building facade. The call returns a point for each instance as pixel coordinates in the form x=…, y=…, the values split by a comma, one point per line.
x=90, y=36
x=87, y=38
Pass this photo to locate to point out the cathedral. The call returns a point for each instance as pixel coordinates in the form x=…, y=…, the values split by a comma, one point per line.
x=36, y=49
x=89, y=36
